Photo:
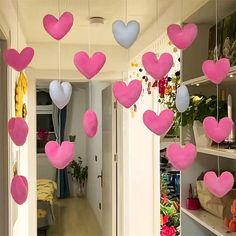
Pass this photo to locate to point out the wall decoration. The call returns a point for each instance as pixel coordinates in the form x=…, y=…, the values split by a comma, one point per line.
x=182, y=37
x=158, y=124
x=60, y=93
x=216, y=71
x=127, y=95
x=60, y=155
x=18, y=61
x=124, y=34
x=89, y=67
x=20, y=91
x=226, y=39
x=218, y=132
x=181, y=157
x=58, y=28
x=18, y=130
x=219, y=186
x=19, y=189
x=182, y=98
x=157, y=68
x=90, y=123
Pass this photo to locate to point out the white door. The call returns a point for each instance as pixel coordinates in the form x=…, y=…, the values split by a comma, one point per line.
x=109, y=164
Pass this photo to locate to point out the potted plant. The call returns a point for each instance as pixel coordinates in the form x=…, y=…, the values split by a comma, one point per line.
x=200, y=107
x=79, y=174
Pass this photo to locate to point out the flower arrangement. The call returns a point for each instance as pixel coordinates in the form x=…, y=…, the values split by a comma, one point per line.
x=169, y=215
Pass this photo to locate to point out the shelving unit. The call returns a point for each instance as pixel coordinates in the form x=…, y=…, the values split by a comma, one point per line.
x=200, y=222
x=209, y=221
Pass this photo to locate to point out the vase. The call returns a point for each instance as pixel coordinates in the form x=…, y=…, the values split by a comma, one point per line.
x=201, y=139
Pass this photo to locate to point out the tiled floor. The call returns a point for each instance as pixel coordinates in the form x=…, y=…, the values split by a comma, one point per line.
x=74, y=217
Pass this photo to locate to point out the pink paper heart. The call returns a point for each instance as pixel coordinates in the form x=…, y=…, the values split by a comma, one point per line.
x=89, y=67
x=219, y=186
x=161, y=124
x=182, y=37
x=181, y=157
x=90, y=123
x=60, y=156
x=18, y=130
x=58, y=28
x=217, y=71
x=127, y=95
x=19, y=189
x=218, y=132
x=18, y=61
x=158, y=69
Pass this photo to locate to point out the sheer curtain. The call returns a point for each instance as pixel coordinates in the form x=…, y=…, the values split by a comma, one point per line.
x=59, y=121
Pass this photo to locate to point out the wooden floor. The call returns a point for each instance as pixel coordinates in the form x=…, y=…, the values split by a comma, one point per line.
x=74, y=217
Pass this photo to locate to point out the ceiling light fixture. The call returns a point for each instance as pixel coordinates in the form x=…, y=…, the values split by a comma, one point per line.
x=96, y=20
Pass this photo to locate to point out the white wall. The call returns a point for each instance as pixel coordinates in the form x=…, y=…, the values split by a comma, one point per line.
x=94, y=147
x=20, y=216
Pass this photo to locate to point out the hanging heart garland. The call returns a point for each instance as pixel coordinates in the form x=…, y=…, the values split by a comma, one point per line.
x=59, y=155
x=60, y=93
x=217, y=132
x=124, y=34
x=18, y=130
x=219, y=186
x=19, y=189
x=161, y=124
x=182, y=98
x=89, y=67
x=182, y=37
x=157, y=68
x=216, y=71
x=90, y=123
x=58, y=28
x=18, y=61
x=127, y=95
x=181, y=157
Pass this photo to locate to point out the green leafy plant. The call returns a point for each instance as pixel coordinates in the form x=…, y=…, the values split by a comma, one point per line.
x=78, y=172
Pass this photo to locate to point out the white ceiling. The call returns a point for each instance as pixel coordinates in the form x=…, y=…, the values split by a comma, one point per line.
x=31, y=13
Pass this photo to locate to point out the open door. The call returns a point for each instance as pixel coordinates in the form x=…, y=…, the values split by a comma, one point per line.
x=4, y=216
x=109, y=164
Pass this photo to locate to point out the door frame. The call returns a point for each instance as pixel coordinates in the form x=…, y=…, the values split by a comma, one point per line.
x=122, y=167
x=6, y=103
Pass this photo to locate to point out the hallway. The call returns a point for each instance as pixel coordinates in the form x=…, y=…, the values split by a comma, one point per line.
x=74, y=217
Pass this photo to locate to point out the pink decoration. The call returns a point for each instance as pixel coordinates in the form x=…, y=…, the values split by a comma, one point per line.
x=158, y=69
x=18, y=61
x=219, y=186
x=89, y=67
x=218, y=132
x=42, y=134
x=90, y=123
x=181, y=157
x=127, y=95
x=19, y=189
x=217, y=71
x=161, y=124
x=182, y=37
x=58, y=28
x=18, y=130
x=60, y=156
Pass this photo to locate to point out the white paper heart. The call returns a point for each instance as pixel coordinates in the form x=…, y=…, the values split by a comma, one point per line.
x=125, y=35
x=60, y=93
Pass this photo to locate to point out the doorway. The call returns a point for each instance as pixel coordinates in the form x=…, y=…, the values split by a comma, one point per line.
x=71, y=211
x=4, y=211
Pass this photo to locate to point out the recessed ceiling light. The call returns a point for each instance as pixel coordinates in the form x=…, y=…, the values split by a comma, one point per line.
x=197, y=85
x=96, y=20
x=231, y=76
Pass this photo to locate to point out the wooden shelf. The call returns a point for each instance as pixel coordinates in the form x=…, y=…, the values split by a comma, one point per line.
x=227, y=153
x=202, y=79
x=209, y=221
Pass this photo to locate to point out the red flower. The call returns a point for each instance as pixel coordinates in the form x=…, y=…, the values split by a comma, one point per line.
x=168, y=231
x=164, y=199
